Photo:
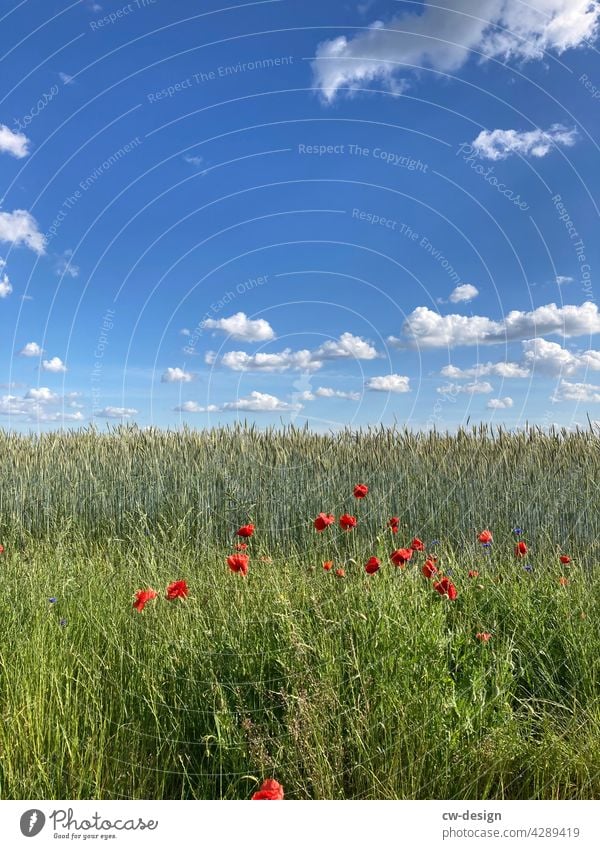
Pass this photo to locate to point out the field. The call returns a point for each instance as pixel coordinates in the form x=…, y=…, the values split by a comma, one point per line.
x=355, y=686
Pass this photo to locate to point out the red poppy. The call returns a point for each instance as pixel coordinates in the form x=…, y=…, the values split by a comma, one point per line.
x=485, y=536
x=473, y=573
x=270, y=789
x=429, y=568
x=401, y=556
x=347, y=522
x=394, y=524
x=564, y=558
x=340, y=573
x=177, y=589
x=483, y=637
x=241, y=546
x=245, y=531
x=328, y=565
x=361, y=490
x=372, y=565
x=446, y=587
x=142, y=597
x=1, y=549
x=521, y=549
x=323, y=521
x=417, y=544
x=563, y=581
x=238, y=563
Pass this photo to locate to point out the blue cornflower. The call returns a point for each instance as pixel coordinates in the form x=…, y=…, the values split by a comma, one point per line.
x=528, y=567
x=517, y=531
x=434, y=542
x=63, y=623
x=486, y=544
x=53, y=600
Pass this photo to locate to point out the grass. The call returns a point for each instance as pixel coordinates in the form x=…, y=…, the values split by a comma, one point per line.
x=355, y=687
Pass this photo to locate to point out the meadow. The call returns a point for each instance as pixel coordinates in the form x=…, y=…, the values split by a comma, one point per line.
x=353, y=686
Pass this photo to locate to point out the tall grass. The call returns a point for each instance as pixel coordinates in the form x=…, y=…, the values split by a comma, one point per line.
x=355, y=687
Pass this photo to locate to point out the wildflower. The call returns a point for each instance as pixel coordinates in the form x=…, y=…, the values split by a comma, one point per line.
x=521, y=549
x=434, y=542
x=563, y=582
x=328, y=565
x=53, y=600
x=486, y=545
x=241, y=546
x=270, y=789
x=63, y=623
x=483, y=637
x=394, y=524
x=1, y=549
x=445, y=587
x=142, y=597
x=485, y=536
x=401, y=556
x=245, y=531
x=528, y=567
x=429, y=568
x=347, y=522
x=177, y=589
x=473, y=573
x=238, y=563
x=417, y=544
x=372, y=565
x=340, y=573
x=518, y=531
x=323, y=521
x=564, y=558
x=361, y=490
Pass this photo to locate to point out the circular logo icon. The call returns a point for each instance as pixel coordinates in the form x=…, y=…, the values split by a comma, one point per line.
x=32, y=822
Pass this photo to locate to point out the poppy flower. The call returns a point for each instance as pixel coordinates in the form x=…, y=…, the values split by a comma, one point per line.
x=394, y=524
x=347, y=522
x=323, y=521
x=177, y=589
x=361, y=490
x=340, y=573
x=142, y=597
x=372, y=565
x=563, y=582
x=270, y=789
x=417, y=544
x=521, y=549
x=445, y=587
x=473, y=573
x=483, y=637
x=429, y=569
x=328, y=565
x=245, y=531
x=401, y=556
x=485, y=536
x=241, y=546
x=1, y=549
x=238, y=563
x=564, y=558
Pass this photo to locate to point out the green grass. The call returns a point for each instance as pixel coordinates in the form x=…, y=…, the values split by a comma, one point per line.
x=355, y=687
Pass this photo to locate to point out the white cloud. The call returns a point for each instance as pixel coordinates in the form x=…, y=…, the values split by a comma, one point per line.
x=549, y=357
x=31, y=349
x=576, y=392
x=388, y=383
x=116, y=413
x=346, y=347
x=476, y=388
x=193, y=407
x=42, y=393
x=65, y=267
x=176, y=375
x=328, y=392
x=502, y=369
x=464, y=293
x=239, y=326
x=499, y=403
x=16, y=144
x=196, y=161
x=562, y=280
x=185, y=331
x=5, y=287
x=442, y=35
x=260, y=402
x=20, y=228
x=54, y=365
x=39, y=405
x=425, y=328
x=500, y=144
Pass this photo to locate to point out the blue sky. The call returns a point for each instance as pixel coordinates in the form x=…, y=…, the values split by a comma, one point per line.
x=347, y=214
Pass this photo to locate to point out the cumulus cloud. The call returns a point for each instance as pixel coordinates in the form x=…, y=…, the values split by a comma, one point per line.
x=54, y=365
x=425, y=328
x=239, y=326
x=500, y=144
x=39, y=404
x=388, y=383
x=501, y=369
x=328, y=392
x=444, y=35
x=563, y=280
x=193, y=407
x=16, y=144
x=261, y=402
x=66, y=268
x=20, y=228
x=346, y=347
x=475, y=388
x=5, y=286
x=116, y=413
x=31, y=349
x=464, y=293
x=176, y=375
x=576, y=392
x=499, y=403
